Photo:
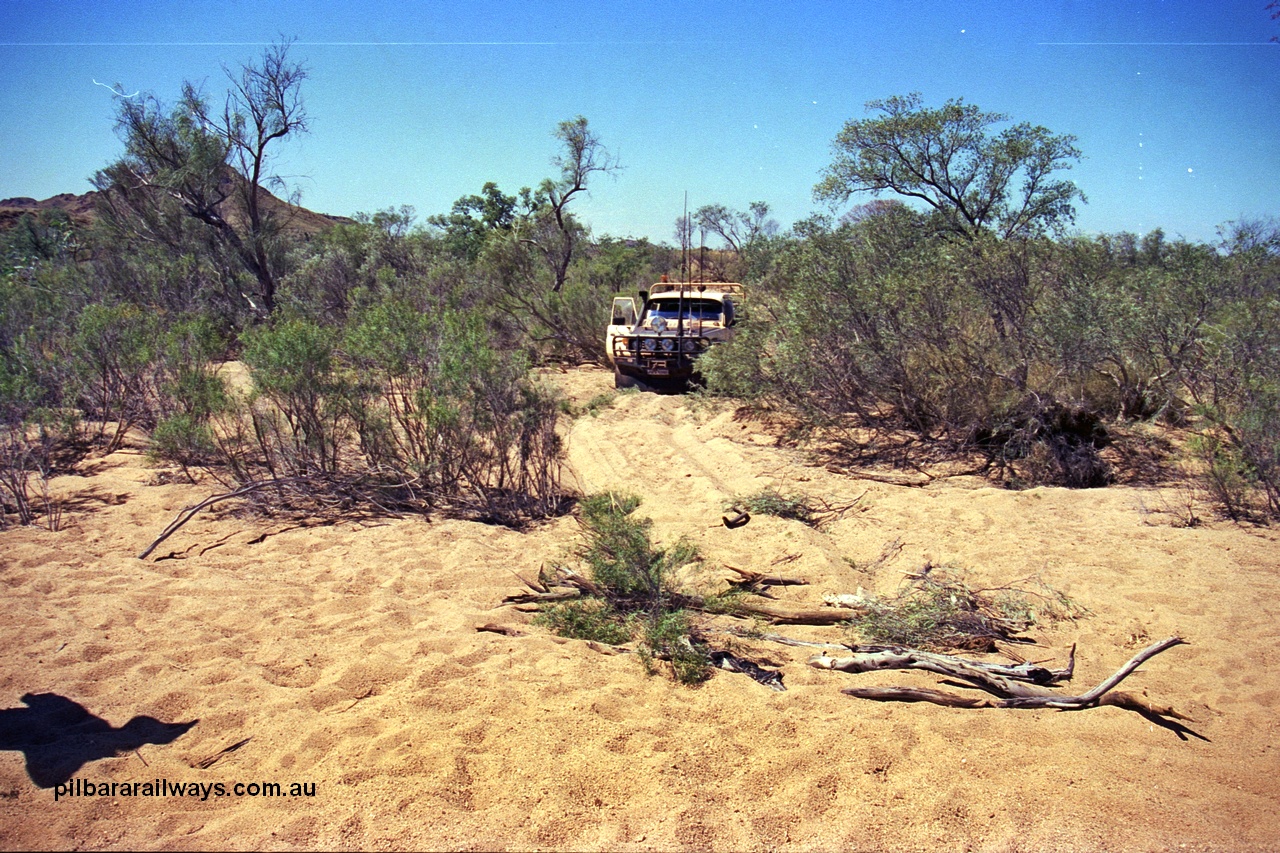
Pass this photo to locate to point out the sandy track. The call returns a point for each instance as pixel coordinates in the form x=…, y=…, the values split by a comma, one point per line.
x=348, y=656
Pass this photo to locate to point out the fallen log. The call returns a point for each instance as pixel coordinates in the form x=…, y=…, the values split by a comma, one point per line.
x=1025, y=679
x=755, y=582
x=1022, y=686
x=504, y=630
x=754, y=579
x=542, y=597
x=779, y=615
x=565, y=584
x=786, y=641
x=730, y=662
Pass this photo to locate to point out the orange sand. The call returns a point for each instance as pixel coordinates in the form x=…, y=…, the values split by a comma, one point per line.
x=348, y=656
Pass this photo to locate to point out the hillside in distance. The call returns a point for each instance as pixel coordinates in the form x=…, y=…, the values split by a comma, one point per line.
x=79, y=208
x=82, y=210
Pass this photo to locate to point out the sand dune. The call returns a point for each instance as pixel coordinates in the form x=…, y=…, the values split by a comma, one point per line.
x=346, y=656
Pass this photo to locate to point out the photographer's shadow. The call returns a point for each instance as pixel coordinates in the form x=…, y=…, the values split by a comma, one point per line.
x=59, y=736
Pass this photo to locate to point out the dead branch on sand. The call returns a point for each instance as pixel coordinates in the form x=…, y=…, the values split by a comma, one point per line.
x=1022, y=686
x=188, y=513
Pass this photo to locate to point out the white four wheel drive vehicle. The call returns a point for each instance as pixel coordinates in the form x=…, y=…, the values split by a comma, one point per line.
x=657, y=346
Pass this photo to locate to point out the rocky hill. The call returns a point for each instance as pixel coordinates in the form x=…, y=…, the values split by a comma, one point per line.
x=82, y=210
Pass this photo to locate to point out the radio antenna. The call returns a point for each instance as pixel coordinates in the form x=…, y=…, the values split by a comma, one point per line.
x=688, y=275
x=688, y=236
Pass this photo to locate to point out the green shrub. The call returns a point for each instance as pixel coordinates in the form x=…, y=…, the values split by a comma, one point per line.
x=633, y=597
x=403, y=408
x=1226, y=474
x=586, y=620
x=670, y=637
x=301, y=427
x=114, y=350
x=184, y=439
x=621, y=555
x=30, y=452
x=189, y=393
x=592, y=407
x=1258, y=437
x=770, y=501
x=495, y=427
x=940, y=613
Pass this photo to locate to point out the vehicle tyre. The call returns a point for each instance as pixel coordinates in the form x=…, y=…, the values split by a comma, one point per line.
x=623, y=381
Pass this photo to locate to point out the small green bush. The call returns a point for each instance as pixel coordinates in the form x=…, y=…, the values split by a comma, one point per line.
x=635, y=598
x=1227, y=475
x=1258, y=432
x=621, y=555
x=592, y=407
x=590, y=619
x=940, y=613
x=114, y=349
x=770, y=501
x=184, y=439
x=670, y=636
x=189, y=393
x=302, y=428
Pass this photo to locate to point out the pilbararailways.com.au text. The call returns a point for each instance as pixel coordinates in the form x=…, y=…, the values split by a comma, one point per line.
x=165, y=788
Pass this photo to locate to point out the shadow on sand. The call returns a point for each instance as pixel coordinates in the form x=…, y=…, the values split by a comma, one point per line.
x=59, y=736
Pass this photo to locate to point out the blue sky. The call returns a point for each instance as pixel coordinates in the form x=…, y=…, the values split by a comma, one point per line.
x=1176, y=103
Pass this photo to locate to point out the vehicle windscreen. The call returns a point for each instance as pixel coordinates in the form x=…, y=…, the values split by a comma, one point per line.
x=694, y=309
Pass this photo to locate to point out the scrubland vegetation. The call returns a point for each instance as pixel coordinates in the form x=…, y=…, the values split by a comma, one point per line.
x=390, y=360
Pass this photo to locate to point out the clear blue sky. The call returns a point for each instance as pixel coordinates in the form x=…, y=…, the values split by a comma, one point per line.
x=1176, y=103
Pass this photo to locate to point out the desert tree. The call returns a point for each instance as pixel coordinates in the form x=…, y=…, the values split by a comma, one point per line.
x=974, y=181
x=994, y=192
x=549, y=227
x=743, y=234
x=211, y=164
x=474, y=218
x=684, y=232
x=525, y=248
x=739, y=229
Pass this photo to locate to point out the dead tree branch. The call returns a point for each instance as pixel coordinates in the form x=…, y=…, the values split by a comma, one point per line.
x=1022, y=686
x=189, y=512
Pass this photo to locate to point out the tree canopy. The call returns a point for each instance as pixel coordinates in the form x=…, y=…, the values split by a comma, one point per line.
x=973, y=179
x=191, y=161
x=554, y=232
x=474, y=217
x=738, y=229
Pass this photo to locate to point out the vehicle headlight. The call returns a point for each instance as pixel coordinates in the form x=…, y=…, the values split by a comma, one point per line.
x=688, y=345
x=668, y=345
x=659, y=324
x=650, y=345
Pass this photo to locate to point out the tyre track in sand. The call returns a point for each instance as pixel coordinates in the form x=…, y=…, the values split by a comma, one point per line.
x=650, y=445
x=685, y=471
